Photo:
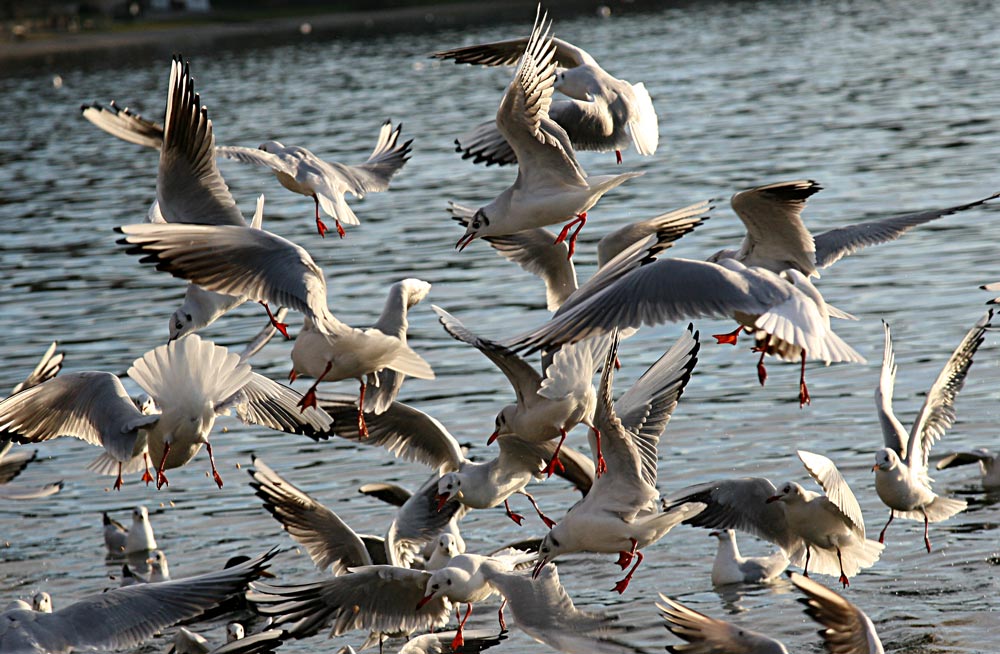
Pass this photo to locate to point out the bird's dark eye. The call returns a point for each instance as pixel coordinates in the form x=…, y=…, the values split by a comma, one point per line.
x=448, y=582
x=188, y=316
x=178, y=325
x=555, y=542
x=475, y=224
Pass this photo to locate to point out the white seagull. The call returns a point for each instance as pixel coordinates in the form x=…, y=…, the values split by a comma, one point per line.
x=777, y=239
x=191, y=381
x=989, y=471
x=120, y=540
x=551, y=186
x=826, y=530
x=621, y=513
x=122, y=617
x=602, y=113
x=730, y=567
x=301, y=171
x=901, y=477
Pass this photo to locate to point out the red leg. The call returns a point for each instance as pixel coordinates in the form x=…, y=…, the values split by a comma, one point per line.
x=211, y=460
x=602, y=465
x=623, y=584
x=549, y=522
x=280, y=326
x=729, y=338
x=624, y=558
x=803, y=391
x=503, y=623
x=516, y=517
x=881, y=536
x=554, y=461
x=146, y=477
x=119, y=481
x=161, y=478
x=459, y=640
x=320, y=227
x=579, y=222
x=340, y=230
x=618, y=156
x=761, y=370
x=362, y=427
x=309, y=399
x=927, y=540
x=843, y=577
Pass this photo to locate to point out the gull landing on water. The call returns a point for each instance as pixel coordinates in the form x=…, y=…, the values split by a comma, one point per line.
x=551, y=186
x=901, y=477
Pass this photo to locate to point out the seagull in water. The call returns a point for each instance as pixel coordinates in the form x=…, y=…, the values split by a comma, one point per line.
x=901, y=478
x=826, y=530
x=730, y=567
x=989, y=471
x=191, y=381
x=601, y=113
x=551, y=186
x=621, y=512
x=120, y=540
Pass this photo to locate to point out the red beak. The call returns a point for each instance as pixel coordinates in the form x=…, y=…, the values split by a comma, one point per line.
x=538, y=568
x=874, y=467
x=493, y=437
x=424, y=600
x=464, y=241
x=773, y=498
x=442, y=499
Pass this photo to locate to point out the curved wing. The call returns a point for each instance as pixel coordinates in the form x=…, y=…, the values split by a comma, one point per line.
x=938, y=412
x=11, y=465
x=236, y=261
x=542, y=147
x=522, y=375
x=384, y=162
x=706, y=635
x=846, y=629
x=263, y=401
x=329, y=541
x=956, y=459
x=772, y=217
x=403, y=430
x=125, y=124
x=380, y=598
x=126, y=617
x=189, y=186
x=738, y=504
x=668, y=227
x=91, y=406
x=835, y=244
x=418, y=522
x=507, y=53
x=893, y=433
x=48, y=367
x=258, y=157
x=837, y=491
x=485, y=144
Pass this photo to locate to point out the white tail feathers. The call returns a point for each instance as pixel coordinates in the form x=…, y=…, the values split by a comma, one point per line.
x=940, y=509
x=859, y=555
x=644, y=127
x=190, y=371
x=410, y=363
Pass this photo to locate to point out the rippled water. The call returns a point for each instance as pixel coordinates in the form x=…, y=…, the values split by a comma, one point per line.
x=892, y=106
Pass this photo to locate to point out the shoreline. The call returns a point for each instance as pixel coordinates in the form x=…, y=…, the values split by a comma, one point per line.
x=59, y=48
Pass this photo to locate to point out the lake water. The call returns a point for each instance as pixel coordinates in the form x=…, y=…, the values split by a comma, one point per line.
x=892, y=106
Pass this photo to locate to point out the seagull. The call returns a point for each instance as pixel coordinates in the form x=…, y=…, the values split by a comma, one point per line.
x=621, y=513
x=846, y=629
x=122, y=617
x=476, y=640
x=777, y=239
x=730, y=567
x=995, y=286
x=827, y=530
x=331, y=543
x=533, y=249
x=541, y=608
x=464, y=579
x=296, y=168
x=602, y=113
x=901, y=478
x=136, y=539
x=548, y=405
x=41, y=602
x=551, y=186
x=237, y=642
x=337, y=351
x=785, y=312
x=989, y=471
x=416, y=436
x=301, y=171
x=192, y=381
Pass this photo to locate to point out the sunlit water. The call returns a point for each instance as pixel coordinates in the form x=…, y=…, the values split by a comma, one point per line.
x=892, y=106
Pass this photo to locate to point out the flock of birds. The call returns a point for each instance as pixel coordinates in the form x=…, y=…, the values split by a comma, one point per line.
x=409, y=582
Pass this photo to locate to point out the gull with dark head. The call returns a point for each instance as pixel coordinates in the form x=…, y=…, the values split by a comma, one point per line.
x=551, y=186
x=901, y=478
